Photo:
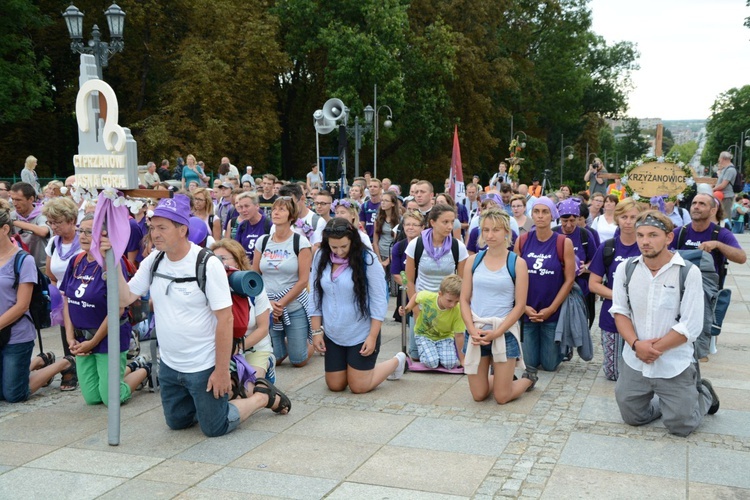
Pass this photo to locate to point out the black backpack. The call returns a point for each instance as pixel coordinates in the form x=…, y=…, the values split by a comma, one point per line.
x=419, y=249
x=682, y=236
x=41, y=305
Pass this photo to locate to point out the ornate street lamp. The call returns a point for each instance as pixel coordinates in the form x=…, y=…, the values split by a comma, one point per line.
x=372, y=118
x=102, y=51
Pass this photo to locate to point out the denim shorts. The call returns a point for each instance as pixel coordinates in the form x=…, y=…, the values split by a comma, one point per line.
x=339, y=357
x=512, y=349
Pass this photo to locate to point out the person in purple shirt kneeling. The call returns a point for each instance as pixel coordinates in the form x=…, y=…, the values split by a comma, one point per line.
x=84, y=293
x=610, y=255
x=551, y=277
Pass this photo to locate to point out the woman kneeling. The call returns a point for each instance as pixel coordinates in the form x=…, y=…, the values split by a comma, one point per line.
x=493, y=298
x=348, y=291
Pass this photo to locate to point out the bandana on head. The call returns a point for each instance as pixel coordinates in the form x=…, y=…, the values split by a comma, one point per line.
x=547, y=203
x=571, y=206
x=650, y=220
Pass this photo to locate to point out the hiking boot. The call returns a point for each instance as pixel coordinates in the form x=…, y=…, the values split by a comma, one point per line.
x=714, y=397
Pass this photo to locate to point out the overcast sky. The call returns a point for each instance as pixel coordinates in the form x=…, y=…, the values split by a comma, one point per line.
x=691, y=51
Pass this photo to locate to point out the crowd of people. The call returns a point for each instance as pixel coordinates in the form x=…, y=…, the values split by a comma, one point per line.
x=501, y=283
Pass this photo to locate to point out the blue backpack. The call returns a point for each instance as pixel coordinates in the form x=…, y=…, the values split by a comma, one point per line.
x=510, y=263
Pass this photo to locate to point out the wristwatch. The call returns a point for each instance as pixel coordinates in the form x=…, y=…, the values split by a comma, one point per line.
x=632, y=346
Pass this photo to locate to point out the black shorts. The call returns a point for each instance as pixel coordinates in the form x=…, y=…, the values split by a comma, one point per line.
x=339, y=357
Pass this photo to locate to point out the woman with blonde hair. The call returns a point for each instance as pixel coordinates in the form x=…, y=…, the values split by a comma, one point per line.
x=192, y=172
x=203, y=208
x=51, y=190
x=62, y=214
x=606, y=260
x=493, y=299
x=29, y=175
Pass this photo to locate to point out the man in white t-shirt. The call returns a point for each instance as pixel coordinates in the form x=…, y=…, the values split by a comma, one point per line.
x=233, y=172
x=195, y=329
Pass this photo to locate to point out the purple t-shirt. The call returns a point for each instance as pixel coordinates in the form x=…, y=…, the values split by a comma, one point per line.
x=23, y=330
x=367, y=214
x=622, y=252
x=247, y=235
x=546, y=275
x=398, y=256
x=584, y=254
x=136, y=235
x=86, y=292
x=693, y=239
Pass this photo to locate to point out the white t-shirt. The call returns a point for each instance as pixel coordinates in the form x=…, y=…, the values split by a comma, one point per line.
x=431, y=273
x=185, y=323
x=604, y=228
x=262, y=304
x=279, y=265
x=57, y=266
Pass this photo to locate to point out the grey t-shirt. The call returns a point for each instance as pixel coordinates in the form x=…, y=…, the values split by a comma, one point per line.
x=280, y=266
x=316, y=180
x=493, y=292
x=729, y=173
x=385, y=241
x=432, y=272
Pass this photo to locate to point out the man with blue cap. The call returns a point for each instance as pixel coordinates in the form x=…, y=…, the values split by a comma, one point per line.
x=194, y=325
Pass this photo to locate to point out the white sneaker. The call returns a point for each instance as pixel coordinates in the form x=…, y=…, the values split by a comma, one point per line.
x=400, y=369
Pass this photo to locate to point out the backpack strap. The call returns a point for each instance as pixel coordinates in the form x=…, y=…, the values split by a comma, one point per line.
x=454, y=251
x=608, y=253
x=717, y=254
x=560, y=246
x=522, y=241
x=267, y=224
x=478, y=260
x=155, y=265
x=200, y=268
x=584, y=238
x=684, y=270
x=630, y=265
x=418, y=251
x=681, y=237
x=511, y=263
x=295, y=243
x=17, y=263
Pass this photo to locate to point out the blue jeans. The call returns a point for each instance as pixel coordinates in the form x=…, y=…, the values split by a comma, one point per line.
x=185, y=402
x=14, y=369
x=296, y=338
x=738, y=226
x=539, y=346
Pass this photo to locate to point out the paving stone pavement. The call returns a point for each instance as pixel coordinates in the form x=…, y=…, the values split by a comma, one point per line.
x=420, y=437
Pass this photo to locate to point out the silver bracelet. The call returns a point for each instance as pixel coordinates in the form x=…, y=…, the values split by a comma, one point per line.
x=317, y=332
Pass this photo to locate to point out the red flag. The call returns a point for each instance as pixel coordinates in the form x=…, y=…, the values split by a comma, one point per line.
x=457, y=174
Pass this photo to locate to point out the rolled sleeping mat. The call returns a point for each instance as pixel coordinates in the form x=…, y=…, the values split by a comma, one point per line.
x=246, y=283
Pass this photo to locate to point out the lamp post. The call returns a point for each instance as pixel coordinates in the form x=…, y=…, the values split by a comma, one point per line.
x=563, y=149
x=744, y=142
x=102, y=51
x=372, y=118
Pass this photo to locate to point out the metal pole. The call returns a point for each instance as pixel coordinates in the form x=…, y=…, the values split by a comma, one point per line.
x=357, y=145
x=562, y=156
x=113, y=350
x=317, y=152
x=375, y=135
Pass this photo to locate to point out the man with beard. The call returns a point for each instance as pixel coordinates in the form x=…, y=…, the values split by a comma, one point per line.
x=660, y=322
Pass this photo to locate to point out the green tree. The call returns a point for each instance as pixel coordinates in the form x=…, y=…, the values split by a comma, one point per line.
x=684, y=152
x=728, y=120
x=632, y=144
x=24, y=86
